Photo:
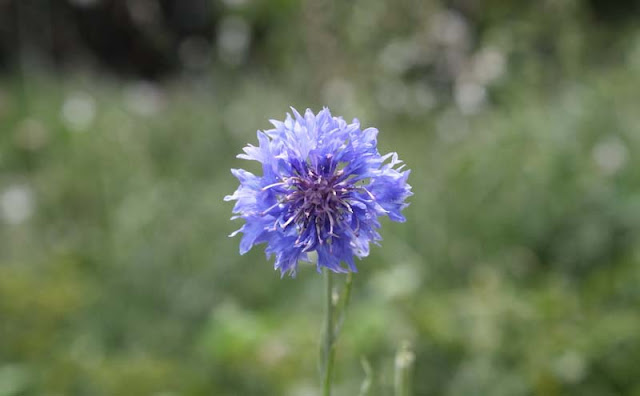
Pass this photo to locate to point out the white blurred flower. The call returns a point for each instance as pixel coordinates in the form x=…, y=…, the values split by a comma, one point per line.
x=570, y=367
x=469, y=96
x=610, y=155
x=78, y=111
x=234, y=37
x=399, y=55
x=450, y=29
x=16, y=204
x=488, y=65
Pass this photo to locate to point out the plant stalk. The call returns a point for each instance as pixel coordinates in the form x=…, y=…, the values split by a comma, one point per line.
x=329, y=334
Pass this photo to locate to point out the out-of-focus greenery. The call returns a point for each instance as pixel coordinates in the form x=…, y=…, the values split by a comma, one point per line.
x=516, y=273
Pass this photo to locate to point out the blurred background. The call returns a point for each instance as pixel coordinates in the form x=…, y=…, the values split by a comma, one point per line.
x=517, y=272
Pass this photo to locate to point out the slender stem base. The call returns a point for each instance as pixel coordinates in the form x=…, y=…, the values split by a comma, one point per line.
x=329, y=334
x=403, y=368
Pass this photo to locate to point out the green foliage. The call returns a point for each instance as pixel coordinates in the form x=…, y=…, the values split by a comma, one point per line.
x=516, y=273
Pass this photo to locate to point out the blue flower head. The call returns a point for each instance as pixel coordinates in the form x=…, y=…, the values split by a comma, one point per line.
x=323, y=187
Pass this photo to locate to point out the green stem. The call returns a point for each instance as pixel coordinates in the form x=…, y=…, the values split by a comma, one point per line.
x=344, y=302
x=329, y=334
x=403, y=367
x=365, y=387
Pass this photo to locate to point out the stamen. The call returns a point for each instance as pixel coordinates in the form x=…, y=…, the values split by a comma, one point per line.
x=369, y=193
x=317, y=198
x=264, y=212
x=330, y=223
x=320, y=241
x=265, y=188
x=286, y=223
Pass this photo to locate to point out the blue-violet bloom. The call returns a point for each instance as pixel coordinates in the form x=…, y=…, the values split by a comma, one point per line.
x=323, y=187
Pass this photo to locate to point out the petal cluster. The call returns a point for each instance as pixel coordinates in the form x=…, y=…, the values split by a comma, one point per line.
x=323, y=187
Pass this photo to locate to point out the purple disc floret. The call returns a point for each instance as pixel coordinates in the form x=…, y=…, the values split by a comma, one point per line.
x=323, y=187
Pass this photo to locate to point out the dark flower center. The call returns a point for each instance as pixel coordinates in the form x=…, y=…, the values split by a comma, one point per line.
x=317, y=201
